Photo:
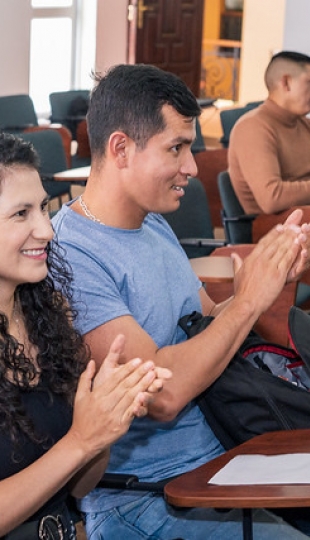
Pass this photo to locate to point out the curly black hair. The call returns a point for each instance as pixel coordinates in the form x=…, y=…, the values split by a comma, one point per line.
x=48, y=316
x=61, y=357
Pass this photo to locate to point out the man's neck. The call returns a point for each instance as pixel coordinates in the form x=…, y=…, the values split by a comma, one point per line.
x=107, y=206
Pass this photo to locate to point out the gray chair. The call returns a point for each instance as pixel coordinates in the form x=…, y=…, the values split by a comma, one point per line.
x=192, y=222
x=48, y=143
x=69, y=108
x=199, y=143
x=237, y=224
x=229, y=117
x=17, y=112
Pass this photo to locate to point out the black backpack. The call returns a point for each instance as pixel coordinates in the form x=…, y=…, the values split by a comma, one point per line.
x=264, y=388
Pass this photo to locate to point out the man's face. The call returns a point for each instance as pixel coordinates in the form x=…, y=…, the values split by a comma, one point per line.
x=300, y=92
x=160, y=171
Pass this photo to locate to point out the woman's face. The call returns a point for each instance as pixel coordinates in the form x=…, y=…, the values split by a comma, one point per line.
x=25, y=228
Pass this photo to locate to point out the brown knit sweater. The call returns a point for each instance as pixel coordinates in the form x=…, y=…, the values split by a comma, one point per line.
x=269, y=159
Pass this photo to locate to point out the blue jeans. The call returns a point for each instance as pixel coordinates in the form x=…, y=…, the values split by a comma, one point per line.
x=151, y=518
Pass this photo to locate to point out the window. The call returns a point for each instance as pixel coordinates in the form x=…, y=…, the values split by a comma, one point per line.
x=51, y=3
x=61, y=30
x=50, y=58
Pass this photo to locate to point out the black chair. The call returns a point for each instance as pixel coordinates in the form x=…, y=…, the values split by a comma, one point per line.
x=17, y=112
x=192, y=222
x=48, y=144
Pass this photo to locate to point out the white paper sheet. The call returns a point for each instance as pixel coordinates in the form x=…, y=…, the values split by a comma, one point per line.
x=262, y=469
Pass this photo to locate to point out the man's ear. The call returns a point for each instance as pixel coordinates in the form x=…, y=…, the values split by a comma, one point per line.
x=286, y=82
x=118, y=144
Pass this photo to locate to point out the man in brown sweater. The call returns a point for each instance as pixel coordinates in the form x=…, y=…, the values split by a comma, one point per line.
x=269, y=151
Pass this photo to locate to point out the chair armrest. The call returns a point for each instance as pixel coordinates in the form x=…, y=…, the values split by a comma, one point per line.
x=118, y=481
x=206, y=102
x=130, y=482
x=203, y=242
x=241, y=217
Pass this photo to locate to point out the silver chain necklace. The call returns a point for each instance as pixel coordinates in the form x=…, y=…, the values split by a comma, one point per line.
x=87, y=212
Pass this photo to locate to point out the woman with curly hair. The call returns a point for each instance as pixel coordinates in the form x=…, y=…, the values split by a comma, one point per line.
x=58, y=417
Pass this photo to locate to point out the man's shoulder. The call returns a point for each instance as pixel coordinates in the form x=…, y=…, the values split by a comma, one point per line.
x=70, y=229
x=253, y=116
x=254, y=123
x=157, y=223
x=60, y=217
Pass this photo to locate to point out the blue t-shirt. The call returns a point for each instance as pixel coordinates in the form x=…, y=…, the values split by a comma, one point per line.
x=146, y=274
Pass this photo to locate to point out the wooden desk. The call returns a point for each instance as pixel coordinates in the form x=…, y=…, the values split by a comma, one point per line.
x=213, y=269
x=192, y=489
x=80, y=174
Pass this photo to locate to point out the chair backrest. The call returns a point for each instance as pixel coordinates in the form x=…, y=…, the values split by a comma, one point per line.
x=199, y=144
x=209, y=164
x=62, y=108
x=192, y=219
x=253, y=104
x=61, y=102
x=17, y=112
x=237, y=226
x=48, y=143
x=229, y=117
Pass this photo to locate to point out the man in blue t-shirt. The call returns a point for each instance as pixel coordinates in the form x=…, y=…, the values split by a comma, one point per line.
x=132, y=277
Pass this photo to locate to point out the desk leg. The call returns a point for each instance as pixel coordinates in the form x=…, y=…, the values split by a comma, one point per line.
x=247, y=524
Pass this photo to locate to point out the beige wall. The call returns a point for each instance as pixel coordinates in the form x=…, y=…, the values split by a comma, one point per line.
x=14, y=46
x=262, y=35
x=111, y=33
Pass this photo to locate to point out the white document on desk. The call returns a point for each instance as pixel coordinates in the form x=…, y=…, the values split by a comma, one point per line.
x=261, y=469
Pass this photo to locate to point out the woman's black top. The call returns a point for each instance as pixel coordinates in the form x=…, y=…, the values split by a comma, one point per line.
x=52, y=418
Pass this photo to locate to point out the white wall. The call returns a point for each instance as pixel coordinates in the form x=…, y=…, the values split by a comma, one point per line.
x=296, y=28
x=262, y=35
x=269, y=26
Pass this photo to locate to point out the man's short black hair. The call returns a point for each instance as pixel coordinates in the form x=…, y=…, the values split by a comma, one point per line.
x=130, y=98
x=297, y=57
x=281, y=62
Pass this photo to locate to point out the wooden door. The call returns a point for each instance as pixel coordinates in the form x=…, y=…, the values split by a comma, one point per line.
x=167, y=34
